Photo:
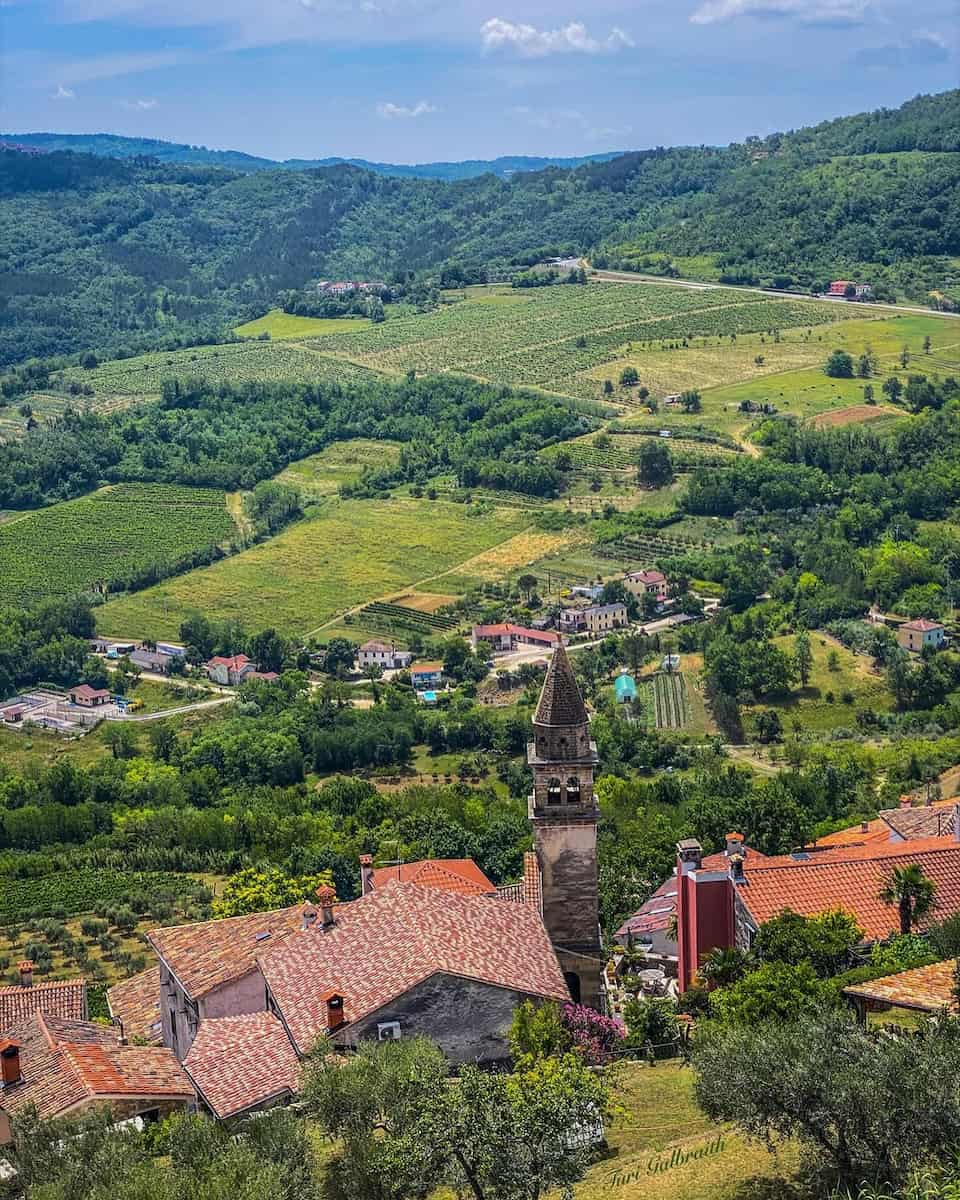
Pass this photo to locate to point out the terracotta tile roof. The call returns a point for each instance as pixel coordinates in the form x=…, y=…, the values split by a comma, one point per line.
x=529, y=890
x=238, y=1063
x=928, y=989
x=876, y=831
x=59, y=998
x=209, y=953
x=935, y=820
x=377, y=646
x=851, y=878
x=657, y=912
x=386, y=942
x=87, y=692
x=449, y=874
x=648, y=576
x=922, y=625
x=136, y=1002
x=64, y=1063
x=236, y=663
x=432, y=667
x=505, y=628
x=560, y=700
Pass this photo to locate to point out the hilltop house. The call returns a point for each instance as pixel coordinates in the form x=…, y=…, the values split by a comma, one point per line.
x=380, y=654
x=861, y=291
x=919, y=634
x=602, y=618
x=426, y=676
x=506, y=636
x=646, y=582
x=229, y=671
x=87, y=697
x=430, y=948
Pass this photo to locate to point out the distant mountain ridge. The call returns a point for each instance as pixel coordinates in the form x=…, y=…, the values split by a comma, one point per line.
x=110, y=145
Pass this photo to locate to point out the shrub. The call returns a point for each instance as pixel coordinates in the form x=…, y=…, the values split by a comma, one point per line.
x=595, y=1038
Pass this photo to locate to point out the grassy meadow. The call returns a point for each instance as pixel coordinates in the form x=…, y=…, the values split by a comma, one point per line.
x=339, y=463
x=852, y=686
x=279, y=325
x=348, y=553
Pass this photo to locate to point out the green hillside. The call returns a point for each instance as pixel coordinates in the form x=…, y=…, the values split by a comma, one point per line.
x=121, y=256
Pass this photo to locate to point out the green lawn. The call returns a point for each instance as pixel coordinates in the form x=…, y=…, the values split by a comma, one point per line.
x=659, y=1115
x=348, y=553
x=337, y=464
x=285, y=325
x=811, y=707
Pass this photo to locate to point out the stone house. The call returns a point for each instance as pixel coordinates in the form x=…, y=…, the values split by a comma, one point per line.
x=62, y=1067
x=229, y=672
x=642, y=583
x=380, y=654
x=602, y=618
x=920, y=634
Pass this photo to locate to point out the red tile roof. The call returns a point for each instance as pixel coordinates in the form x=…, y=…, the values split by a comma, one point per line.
x=65, y=1063
x=448, y=874
x=921, y=625
x=851, y=878
x=928, y=989
x=388, y=941
x=236, y=663
x=649, y=576
x=88, y=692
x=657, y=912
x=239, y=1063
x=59, y=998
x=856, y=835
x=207, y=954
x=136, y=1002
x=505, y=628
x=432, y=667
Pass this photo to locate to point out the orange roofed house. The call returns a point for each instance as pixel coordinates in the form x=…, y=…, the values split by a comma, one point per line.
x=62, y=1067
x=431, y=948
x=723, y=903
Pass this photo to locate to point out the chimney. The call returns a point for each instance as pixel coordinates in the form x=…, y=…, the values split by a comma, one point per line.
x=736, y=868
x=956, y=822
x=335, y=1015
x=9, y=1063
x=309, y=916
x=327, y=898
x=366, y=874
x=864, y=826
x=26, y=973
x=906, y=802
x=121, y=1034
x=734, y=845
x=690, y=854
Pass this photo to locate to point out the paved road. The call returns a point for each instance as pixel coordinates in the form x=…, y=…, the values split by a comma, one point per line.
x=173, y=712
x=703, y=286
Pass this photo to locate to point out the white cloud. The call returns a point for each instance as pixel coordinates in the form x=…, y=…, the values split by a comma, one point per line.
x=63, y=93
x=537, y=43
x=139, y=105
x=810, y=12
x=390, y=111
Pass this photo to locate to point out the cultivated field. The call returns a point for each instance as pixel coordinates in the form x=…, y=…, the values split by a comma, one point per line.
x=337, y=464
x=279, y=324
x=856, y=414
x=111, y=535
x=350, y=553
x=236, y=362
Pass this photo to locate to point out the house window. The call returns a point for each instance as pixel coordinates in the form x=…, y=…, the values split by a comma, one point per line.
x=388, y=1031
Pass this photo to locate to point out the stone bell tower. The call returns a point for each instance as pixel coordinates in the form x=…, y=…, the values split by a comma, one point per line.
x=564, y=815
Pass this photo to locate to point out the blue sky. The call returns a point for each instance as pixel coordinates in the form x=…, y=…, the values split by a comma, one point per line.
x=417, y=80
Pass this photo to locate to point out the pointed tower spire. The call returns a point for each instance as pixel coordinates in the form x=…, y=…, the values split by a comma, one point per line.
x=560, y=700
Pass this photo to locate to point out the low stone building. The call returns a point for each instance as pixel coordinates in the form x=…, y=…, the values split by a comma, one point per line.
x=62, y=1067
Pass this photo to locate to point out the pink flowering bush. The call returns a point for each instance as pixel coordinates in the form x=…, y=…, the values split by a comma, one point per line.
x=595, y=1038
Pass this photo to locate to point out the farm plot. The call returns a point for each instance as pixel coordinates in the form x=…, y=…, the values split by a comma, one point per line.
x=397, y=619
x=560, y=332
x=350, y=553
x=237, y=362
x=670, y=701
x=109, y=540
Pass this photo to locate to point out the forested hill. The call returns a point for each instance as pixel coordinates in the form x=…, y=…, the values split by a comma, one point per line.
x=116, y=255
x=111, y=145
